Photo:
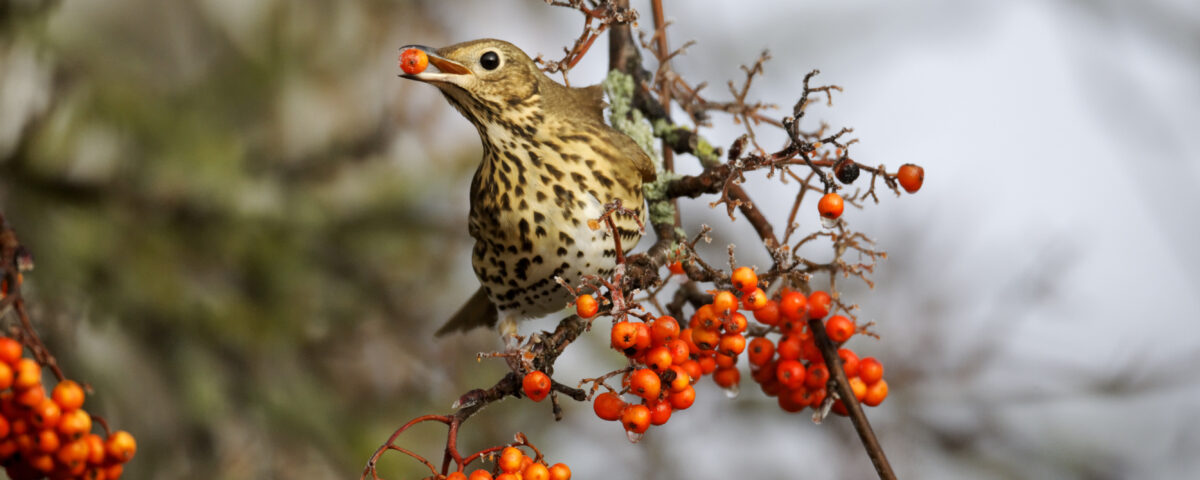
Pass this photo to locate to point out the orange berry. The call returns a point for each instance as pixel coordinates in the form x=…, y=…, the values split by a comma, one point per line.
x=535, y=471
x=46, y=441
x=817, y=376
x=624, y=335
x=706, y=340
x=45, y=415
x=30, y=397
x=6, y=376
x=790, y=373
x=727, y=377
x=809, y=351
x=8, y=447
x=724, y=361
x=10, y=351
x=682, y=399
x=660, y=411
x=28, y=374
x=510, y=460
x=480, y=475
x=586, y=306
x=707, y=364
x=849, y=361
x=508, y=476
x=663, y=329
x=659, y=359
x=43, y=463
x=737, y=323
x=818, y=304
x=5, y=428
x=755, y=300
x=95, y=446
x=645, y=383
x=681, y=379
x=693, y=369
x=732, y=344
x=679, y=351
x=636, y=418
x=676, y=268
x=68, y=395
x=831, y=205
x=724, y=301
x=876, y=392
x=642, y=341
x=113, y=471
x=560, y=471
x=456, y=476
x=75, y=424
x=792, y=306
x=536, y=385
x=75, y=453
x=768, y=314
x=789, y=348
x=413, y=61
x=870, y=370
x=761, y=351
x=744, y=279
x=858, y=387
x=911, y=177
x=839, y=328
x=791, y=401
x=120, y=446
x=608, y=406
x=705, y=317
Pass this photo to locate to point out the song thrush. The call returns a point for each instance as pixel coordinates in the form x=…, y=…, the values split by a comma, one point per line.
x=550, y=164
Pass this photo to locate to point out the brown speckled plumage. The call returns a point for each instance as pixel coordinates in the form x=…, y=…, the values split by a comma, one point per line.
x=549, y=165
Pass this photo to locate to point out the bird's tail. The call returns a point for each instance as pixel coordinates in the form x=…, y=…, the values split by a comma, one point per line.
x=477, y=312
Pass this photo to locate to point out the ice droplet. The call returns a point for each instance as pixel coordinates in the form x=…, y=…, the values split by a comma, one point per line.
x=732, y=392
x=633, y=437
x=828, y=222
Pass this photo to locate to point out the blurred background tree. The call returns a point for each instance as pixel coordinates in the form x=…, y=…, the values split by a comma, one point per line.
x=247, y=229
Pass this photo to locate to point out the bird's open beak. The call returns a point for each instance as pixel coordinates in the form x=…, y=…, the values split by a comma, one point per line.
x=447, y=69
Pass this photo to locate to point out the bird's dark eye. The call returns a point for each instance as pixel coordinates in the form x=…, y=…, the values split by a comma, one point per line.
x=489, y=60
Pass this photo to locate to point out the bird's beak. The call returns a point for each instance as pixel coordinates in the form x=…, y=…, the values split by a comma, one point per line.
x=448, y=70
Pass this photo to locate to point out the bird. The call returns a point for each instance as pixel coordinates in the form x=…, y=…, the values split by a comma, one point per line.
x=550, y=164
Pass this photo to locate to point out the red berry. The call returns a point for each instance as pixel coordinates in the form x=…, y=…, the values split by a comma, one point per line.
x=724, y=301
x=789, y=348
x=536, y=385
x=818, y=304
x=817, y=376
x=754, y=300
x=790, y=373
x=839, y=328
x=636, y=418
x=831, y=205
x=768, y=314
x=849, y=361
x=911, y=177
x=660, y=411
x=761, y=351
x=663, y=329
x=737, y=323
x=679, y=351
x=645, y=383
x=586, y=306
x=727, y=377
x=624, y=336
x=744, y=279
x=608, y=406
x=876, y=392
x=682, y=399
x=870, y=370
x=413, y=61
x=10, y=351
x=792, y=306
x=676, y=267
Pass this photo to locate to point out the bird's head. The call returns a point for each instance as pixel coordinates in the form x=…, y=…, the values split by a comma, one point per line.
x=487, y=74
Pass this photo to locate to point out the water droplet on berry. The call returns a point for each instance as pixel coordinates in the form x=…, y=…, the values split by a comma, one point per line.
x=633, y=437
x=829, y=222
x=732, y=392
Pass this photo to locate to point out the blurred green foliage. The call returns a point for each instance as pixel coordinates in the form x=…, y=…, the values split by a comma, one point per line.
x=239, y=227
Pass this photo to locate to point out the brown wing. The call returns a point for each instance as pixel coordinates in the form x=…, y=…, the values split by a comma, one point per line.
x=477, y=312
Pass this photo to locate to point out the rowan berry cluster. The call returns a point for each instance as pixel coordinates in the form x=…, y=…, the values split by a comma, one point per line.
x=50, y=435
x=514, y=464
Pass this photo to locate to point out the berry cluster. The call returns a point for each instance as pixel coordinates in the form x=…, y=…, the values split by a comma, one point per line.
x=51, y=435
x=514, y=464
x=831, y=204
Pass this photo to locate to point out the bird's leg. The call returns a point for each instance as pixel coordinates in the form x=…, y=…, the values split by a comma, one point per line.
x=518, y=359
